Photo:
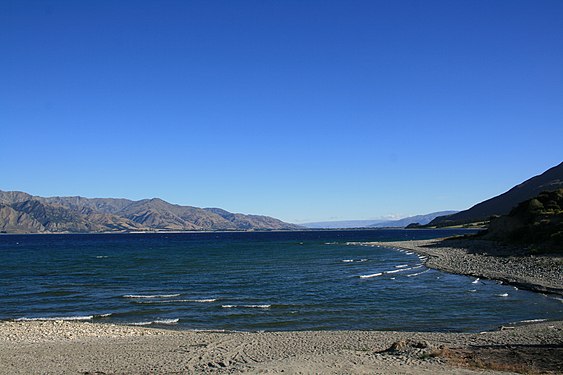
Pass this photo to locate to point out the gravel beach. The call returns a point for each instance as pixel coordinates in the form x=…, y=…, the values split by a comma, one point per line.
x=489, y=260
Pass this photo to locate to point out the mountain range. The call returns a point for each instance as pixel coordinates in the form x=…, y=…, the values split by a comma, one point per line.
x=418, y=219
x=550, y=180
x=400, y=223
x=23, y=213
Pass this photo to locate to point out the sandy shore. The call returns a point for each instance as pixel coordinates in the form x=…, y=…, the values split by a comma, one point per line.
x=486, y=259
x=89, y=348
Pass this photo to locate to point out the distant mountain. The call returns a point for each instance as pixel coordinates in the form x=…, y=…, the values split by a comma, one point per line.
x=340, y=224
x=23, y=213
x=401, y=223
x=550, y=180
x=418, y=219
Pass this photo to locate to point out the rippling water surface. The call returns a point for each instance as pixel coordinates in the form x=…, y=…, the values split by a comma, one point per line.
x=251, y=281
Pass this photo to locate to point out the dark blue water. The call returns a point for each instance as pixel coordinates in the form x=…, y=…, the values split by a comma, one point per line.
x=251, y=281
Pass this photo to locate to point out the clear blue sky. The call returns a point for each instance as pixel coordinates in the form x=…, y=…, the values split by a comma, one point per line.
x=302, y=110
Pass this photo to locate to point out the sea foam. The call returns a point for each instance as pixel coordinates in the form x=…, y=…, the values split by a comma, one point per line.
x=418, y=273
x=68, y=318
x=370, y=276
x=157, y=302
x=532, y=321
x=159, y=321
x=151, y=295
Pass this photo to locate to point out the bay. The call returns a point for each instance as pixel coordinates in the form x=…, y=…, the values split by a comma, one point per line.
x=251, y=281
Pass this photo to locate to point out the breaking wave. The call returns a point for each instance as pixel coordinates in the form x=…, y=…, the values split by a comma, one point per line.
x=65, y=318
x=151, y=295
x=370, y=276
x=159, y=321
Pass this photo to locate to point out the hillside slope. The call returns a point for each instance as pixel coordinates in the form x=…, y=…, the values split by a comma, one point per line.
x=537, y=221
x=550, y=180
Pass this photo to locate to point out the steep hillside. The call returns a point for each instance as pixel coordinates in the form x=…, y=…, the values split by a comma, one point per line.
x=251, y=221
x=12, y=221
x=537, y=221
x=550, y=180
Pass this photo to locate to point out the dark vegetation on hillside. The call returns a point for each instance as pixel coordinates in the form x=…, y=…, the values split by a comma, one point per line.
x=537, y=222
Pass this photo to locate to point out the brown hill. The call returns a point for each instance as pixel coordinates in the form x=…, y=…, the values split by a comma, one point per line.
x=23, y=213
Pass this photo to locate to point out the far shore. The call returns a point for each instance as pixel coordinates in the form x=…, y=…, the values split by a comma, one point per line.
x=488, y=260
x=244, y=231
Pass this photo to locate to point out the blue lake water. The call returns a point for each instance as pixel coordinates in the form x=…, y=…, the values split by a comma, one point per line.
x=251, y=281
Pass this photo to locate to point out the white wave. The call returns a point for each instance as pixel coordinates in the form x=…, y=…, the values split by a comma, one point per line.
x=159, y=321
x=472, y=290
x=399, y=270
x=532, y=321
x=151, y=295
x=103, y=315
x=153, y=302
x=353, y=260
x=476, y=281
x=558, y=299
x=370, y=276
x=246, y=306
x=392, y=278
x=69, y=318
x=502, y=295
x=409, y=253
x=515, y=287
x=205, y=300
x=101, y=256
x=402, y=266
x=418, y=273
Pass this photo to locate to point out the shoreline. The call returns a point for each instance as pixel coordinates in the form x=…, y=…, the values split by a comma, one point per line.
x=82, y=347
x=367, y=229
x=487, y=260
